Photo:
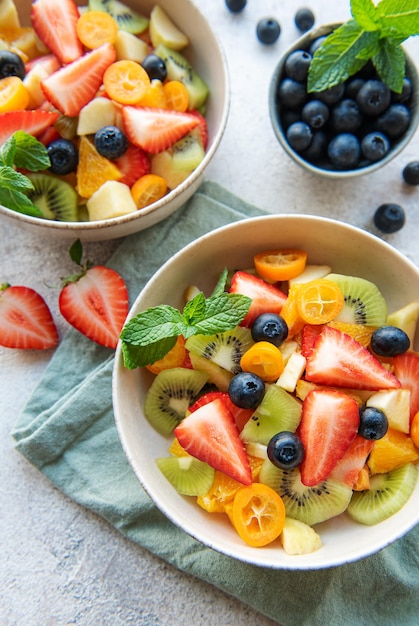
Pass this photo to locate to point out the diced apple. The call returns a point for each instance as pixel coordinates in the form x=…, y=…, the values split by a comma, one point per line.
x=163, y=30
x=32, y=81
x=395, y=404
x=112, y=199
x=311, y=272
x=287, y=349
x=129, y=47
x=406, y=318
x=299, y=538
x=98, y=113
x=292, y=372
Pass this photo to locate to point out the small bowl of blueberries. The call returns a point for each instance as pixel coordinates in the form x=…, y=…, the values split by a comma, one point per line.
x=341, y=116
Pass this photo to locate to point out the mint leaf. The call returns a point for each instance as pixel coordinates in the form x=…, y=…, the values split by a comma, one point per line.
x=30, y=154
x=389, y=61
x=221, y=283
x=7, y=152
x=223, y=312
x=365, y=14
x=140, y=356
x=15, y=181
x=194, y=310
x=152, y=325
x=17, y=201
x=399, y=18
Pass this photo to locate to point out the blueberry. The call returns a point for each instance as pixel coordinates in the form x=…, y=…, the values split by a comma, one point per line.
x=288, y=118
x=299, y=136
x=374, y=97
x=411, y=173
x=317, y=148
x=11, y=65
x=389, y=218
x=63, y=155
x=235, y=6
x=246, y=390
x=111, y=142
x=406, y=92
x=332, y=95
x=375, y=146
x=389, y=341
x=304, y=19
x=270, y=327
x=353, y=86
x=315, y=113
x=155, y=67
x=344, y=151
x=297, y=64
x=315, y=45
x=346, y=116
x=373, y=423
x=268, y=30
x=394, y=121
x=285, y=450
x=291, y=93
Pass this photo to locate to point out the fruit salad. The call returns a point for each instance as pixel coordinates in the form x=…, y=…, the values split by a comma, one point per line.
x=116, y=106
x=288, y=397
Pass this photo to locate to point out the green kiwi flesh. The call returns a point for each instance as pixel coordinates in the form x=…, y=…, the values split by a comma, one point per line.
x=226, y=349
x=170, y=395
x=311, y=505
x=55, y=198
x=189, y=476
x=278, y=411
x=217, y=375
x=178, y=68
x=387, y=494
x=127, y=19
x=364, y=303
x=188, y=152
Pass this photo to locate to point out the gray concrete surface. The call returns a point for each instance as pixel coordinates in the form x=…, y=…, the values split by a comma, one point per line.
x=61, y=565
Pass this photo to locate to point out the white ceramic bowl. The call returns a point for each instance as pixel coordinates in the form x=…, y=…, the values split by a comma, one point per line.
x=207, y=57
x=348, y=250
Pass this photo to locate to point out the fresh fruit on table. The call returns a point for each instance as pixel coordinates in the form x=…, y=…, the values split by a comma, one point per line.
x=25, y=319
x=268, y=30
x=304, y=19
x=389, y=218
x=411, y=173
x=235, y=6
x=94, y=301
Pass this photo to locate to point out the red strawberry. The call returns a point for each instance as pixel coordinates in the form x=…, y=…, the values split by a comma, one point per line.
x=241, y=416
x=309, y=336
x=48, y=62
x=348, y=467
x=339, y=360
x=48, y=135
x=329, y=423
x=74, y=85
x=202, y=127
x=406, y=370
x=55, y=24
x=25, y=319
x=133, y=164
x=154, y=129
x=266, y=297
x=211, y=435
x=32, y=122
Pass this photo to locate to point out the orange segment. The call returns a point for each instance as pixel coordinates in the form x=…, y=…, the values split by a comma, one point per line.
x=94, y=28
x=414, y=429
x=93, y=169
x=154, y=96
x=174, y=358
x=148, y=189
x=221, y=493
x=13, y=94
x=258, y=514
x=393, y=450
x=277, y=265
x=126, y=82
x=290, y=313
x=177, y=96
x=176, y=449
x=263, y=359
x=363, y=481
x=360, y=332
x=319, y=301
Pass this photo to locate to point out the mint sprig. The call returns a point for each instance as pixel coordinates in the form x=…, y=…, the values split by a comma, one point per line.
x=374, y=33
x=22, y=151
x=150, y=335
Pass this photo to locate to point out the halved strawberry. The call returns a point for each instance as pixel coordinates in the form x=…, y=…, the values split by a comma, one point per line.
x=55, y=24
x=133, y=164
x=202, y=127
x=406, y=370
x=329, y=423
x=309, y=335
x=32, y=122
x=241, y=416
x=155, y=130
x=266, y=298
x=338, y=360
x=348, y=467
x=211, y=435
x=48, y=135
x=25, y=319
x=74, y=85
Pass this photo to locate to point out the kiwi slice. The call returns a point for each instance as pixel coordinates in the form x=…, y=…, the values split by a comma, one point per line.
x=226, y=349
x=176, y=163
x=189, y=476
x=364, y=303
x=217, y=375
x=385, y=497
x=126, y=18
x=170, y=395
x=178, y=68
x=278, y=411
x=310, y=505
x=54, y=197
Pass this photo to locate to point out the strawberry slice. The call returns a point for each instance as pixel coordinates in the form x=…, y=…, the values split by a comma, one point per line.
x=202, y=127
x=266, y=298
x=338, y=360
x=25, y=319
x=241, y=416
x=133, y=164
x=309, y=335
x=74, y=85
x=55, y=23
x=348, y=467
x=329, y=424
x=32, y=122
x=155, y=130
x=211, y=435
x=406, y=370
x=96, y=304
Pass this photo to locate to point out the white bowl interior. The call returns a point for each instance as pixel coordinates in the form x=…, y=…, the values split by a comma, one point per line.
x=207, y=57
x=348, y=250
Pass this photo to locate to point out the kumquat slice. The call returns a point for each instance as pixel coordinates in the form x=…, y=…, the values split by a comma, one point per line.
x=177, y=96
x=147, y=189
x=13, y=94
x=319, y=301
x=258, y=514
x=263, y=359
x=94, y=28
x=126, y=82
x=277, y=265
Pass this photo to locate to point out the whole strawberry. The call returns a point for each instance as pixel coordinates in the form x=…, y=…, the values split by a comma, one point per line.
x=94, y=301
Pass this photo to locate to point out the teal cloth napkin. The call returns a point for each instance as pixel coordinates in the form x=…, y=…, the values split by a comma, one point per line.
x=67, y=430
